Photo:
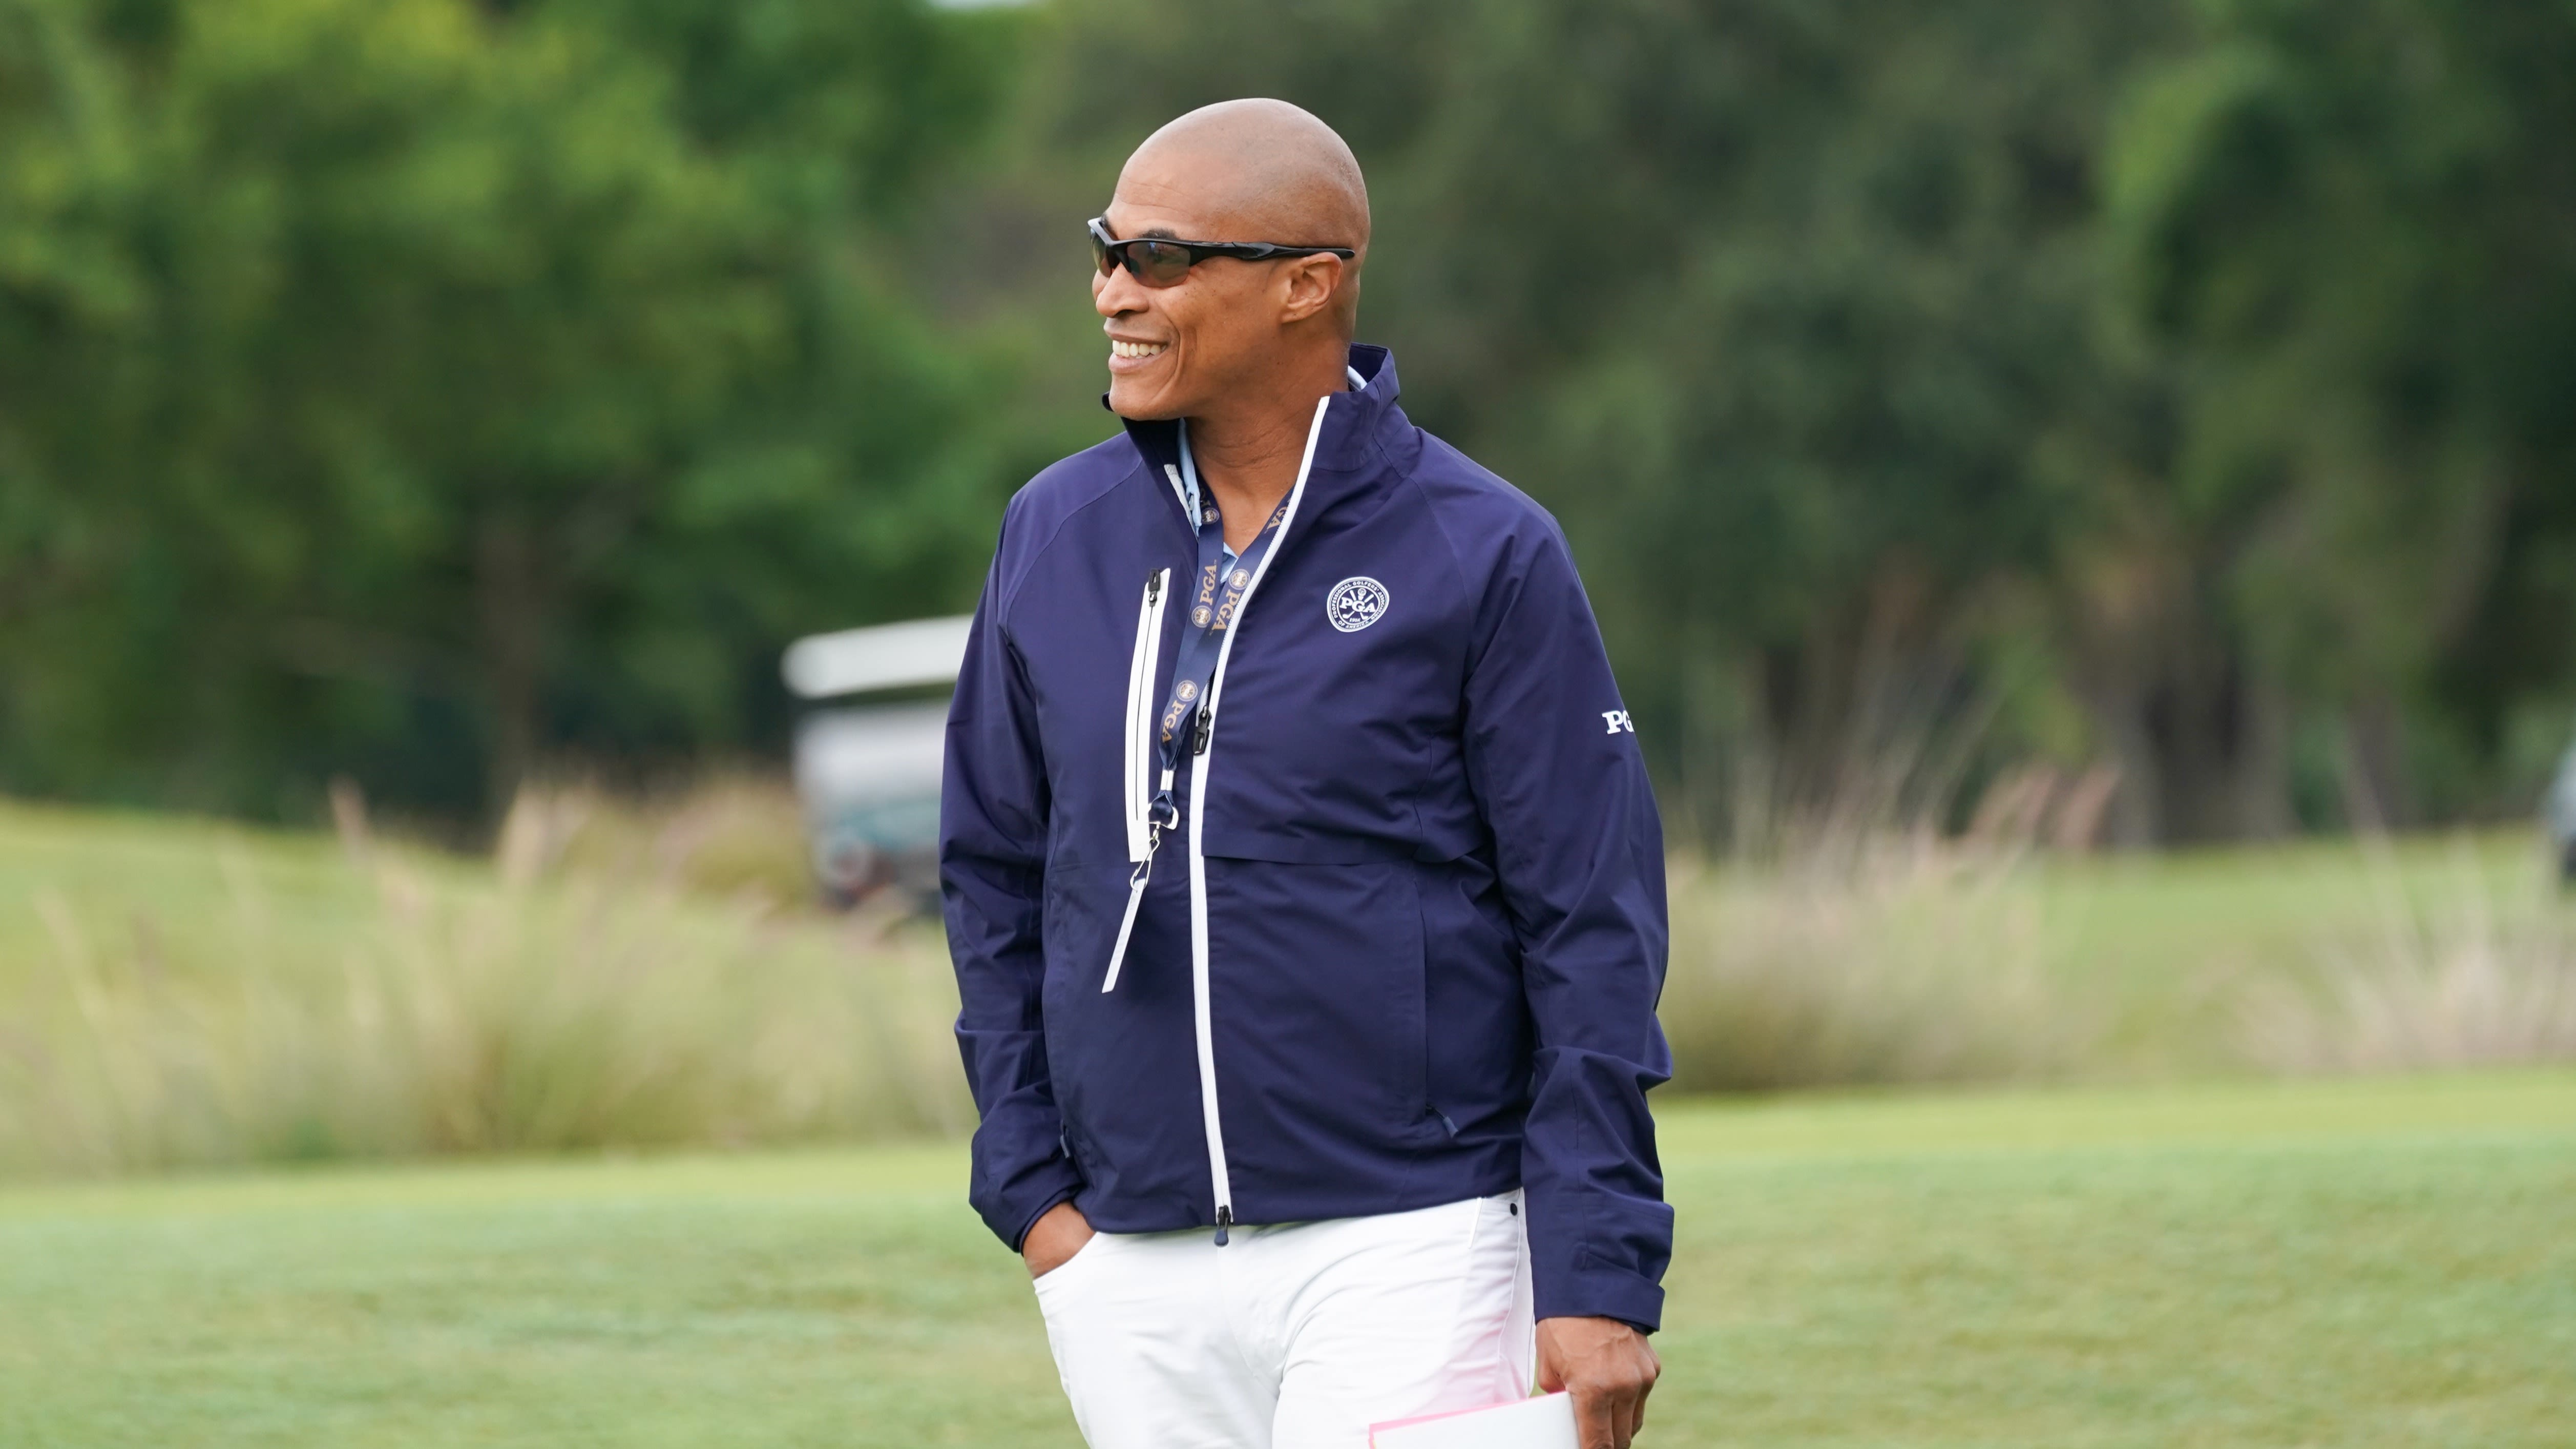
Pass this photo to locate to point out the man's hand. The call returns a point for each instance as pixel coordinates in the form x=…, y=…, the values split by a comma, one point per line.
x=1054, y=1239
x=1608, y=1368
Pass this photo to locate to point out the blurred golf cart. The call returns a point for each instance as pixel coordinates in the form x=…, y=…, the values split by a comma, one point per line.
x=868, y=756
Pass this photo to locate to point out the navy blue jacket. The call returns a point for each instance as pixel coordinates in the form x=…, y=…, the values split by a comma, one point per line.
x=1405, y=942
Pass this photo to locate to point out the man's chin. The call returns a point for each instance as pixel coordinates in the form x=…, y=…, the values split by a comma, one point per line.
x=1142, y=404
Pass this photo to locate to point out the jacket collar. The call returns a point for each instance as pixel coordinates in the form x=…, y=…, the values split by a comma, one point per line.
x=1356, y=423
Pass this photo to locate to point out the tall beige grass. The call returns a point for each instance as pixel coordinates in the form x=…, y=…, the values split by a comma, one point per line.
x=465, y=1010
x=624, y=976
x=2483, y=975
x=737, y=835
x=1898, y=960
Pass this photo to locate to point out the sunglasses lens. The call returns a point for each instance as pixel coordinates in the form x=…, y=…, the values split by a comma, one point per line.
x=1154, y=263
x=1158, y=264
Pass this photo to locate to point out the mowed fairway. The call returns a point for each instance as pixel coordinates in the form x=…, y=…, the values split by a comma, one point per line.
x=2376, y=1263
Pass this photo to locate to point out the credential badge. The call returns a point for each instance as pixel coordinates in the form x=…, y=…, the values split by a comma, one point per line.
x=1355, y=603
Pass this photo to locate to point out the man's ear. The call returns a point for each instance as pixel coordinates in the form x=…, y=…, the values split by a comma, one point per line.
x=1307, y=285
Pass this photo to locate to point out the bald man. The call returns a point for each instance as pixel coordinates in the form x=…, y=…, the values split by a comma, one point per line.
x=1301, y=873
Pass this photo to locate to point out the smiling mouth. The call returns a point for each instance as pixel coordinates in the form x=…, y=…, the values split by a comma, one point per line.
x=1136, y=349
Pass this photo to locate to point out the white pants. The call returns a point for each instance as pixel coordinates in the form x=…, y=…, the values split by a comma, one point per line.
x=1297, y=1336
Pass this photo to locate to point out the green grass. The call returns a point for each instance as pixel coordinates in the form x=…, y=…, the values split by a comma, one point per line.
x=2348, y=1264
x=165, y=874
x=2354, y=1263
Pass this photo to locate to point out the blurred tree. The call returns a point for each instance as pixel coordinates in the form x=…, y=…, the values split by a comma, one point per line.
x=2357, y=221
x=427, y=389
x=424, y=390
x=1817, y=326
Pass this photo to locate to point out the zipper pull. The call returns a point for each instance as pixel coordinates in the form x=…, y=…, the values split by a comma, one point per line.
x=1154, y=587
x=1199, y=735
x=1224, y=1220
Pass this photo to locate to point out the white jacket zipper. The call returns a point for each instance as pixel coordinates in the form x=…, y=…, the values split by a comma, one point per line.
x=1143, y=832
x=1204, y=748
x=1140, y=706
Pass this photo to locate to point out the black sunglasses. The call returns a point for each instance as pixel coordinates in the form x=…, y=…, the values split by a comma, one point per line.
x=1162, y=262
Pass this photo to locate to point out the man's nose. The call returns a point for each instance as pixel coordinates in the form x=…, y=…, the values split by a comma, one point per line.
x=1116, y=293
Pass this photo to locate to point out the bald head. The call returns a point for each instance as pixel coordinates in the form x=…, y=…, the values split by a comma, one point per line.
x=1267, y=165
x=1261, y=170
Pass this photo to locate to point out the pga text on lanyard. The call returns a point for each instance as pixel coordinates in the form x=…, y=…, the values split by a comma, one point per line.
x=1216, y=597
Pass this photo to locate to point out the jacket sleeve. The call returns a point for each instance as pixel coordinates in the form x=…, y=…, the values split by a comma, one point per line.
x=992, y=855
x=1579, y=852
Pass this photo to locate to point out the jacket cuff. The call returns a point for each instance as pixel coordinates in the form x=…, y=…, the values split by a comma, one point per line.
x=1595, y=1290
x=1011, y=1198
x=1019, y=1239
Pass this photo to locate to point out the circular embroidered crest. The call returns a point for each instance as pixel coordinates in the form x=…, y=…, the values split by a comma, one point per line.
x=1200, y=616
x=1355, y=603
x=1186, y=690
x=1241, y=578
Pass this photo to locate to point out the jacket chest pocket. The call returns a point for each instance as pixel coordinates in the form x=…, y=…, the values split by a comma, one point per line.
x=1328, y=763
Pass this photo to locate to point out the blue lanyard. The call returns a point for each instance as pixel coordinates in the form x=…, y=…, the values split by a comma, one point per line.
x=1215, y=599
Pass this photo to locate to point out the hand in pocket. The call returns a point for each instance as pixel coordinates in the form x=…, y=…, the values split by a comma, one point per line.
x=1054, y=1239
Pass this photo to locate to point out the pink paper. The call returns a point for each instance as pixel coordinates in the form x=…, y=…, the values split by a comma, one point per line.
x=1530, y=1422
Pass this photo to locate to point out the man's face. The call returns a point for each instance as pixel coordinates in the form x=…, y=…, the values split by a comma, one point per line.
x=1174, y=350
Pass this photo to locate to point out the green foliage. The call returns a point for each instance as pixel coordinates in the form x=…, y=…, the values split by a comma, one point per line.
x=2375, y=1266
x=435, y=390
x=399, y=386
x=2351, y=220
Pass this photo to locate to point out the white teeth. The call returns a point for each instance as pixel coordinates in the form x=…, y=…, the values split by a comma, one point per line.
x=1135, y=349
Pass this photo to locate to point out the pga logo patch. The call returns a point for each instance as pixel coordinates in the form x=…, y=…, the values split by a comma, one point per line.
x=1355, y=603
